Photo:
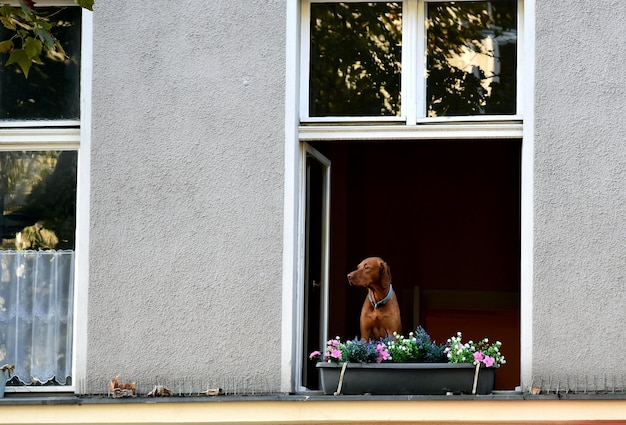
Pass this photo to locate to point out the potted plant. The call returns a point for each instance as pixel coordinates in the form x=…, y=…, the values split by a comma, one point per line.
x=408, y=365
x=7, y=370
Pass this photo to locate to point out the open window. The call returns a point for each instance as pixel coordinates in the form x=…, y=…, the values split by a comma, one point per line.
x=417, y=105
x=445, y=216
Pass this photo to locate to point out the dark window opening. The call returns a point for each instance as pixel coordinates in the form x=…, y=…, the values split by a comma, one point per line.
x=445, y=216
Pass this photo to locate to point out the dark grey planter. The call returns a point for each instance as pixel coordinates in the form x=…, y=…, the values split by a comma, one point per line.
x=405, y=378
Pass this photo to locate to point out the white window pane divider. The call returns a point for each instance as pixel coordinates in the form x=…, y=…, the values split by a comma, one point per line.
x=39, y=124
x=305, y=55
x=39, y=139
x=416, y=72
x=487, y=130
x=520, y=58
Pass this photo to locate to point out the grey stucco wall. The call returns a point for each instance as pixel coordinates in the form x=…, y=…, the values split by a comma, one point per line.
x=187, y=192
x=579, y=283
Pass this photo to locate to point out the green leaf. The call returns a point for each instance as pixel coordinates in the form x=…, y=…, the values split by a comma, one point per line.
x=20, y=57
x=8, y=23
x=6, y=46
x=43, y=23
x=25, y=8
x=45, y=36
x=6, y=10
x=87, y=4
x=32, y=47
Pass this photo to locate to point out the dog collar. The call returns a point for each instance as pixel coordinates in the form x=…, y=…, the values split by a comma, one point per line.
x=383, y=301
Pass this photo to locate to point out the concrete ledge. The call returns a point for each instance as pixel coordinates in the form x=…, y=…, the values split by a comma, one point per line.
x=313, y=409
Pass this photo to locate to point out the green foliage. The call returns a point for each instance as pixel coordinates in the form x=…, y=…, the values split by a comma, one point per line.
x=358, y=351
x=417, y=347
x=87, y=4
x=483, y=351
x=31, y=34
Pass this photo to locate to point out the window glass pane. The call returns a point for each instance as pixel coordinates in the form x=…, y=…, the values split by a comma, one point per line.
x=38, y=199
x=471, y=58
x=51, y=90
x=355, y=59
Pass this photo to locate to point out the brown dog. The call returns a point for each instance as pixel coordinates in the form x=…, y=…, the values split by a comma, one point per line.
x=380, y=315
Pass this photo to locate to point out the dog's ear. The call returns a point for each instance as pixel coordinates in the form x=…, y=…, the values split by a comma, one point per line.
x=385, y=274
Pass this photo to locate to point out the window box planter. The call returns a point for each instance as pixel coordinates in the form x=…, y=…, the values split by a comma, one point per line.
x=405, y=378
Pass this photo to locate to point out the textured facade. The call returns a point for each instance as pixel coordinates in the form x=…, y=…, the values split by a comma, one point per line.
x=186, y=191
x=579, y=198
x=188, y=197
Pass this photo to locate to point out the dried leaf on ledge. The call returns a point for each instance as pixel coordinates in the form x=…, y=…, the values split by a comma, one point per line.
x=160, y=391
x=212, y=392
x=121, y=390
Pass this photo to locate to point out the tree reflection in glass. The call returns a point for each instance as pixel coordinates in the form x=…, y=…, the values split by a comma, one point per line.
x=38, y=199
x=471, y=58
x=355, y=59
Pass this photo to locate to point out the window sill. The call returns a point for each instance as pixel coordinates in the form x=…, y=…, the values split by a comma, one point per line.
x=28, y=400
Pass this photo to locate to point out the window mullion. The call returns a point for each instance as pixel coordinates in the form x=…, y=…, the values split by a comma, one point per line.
x=410, y=62
x=305, y=57
x=519, y=109
x=420, y=58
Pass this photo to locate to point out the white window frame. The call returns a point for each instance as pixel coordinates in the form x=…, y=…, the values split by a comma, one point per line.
x=299, y=130
x=413, y=107
x=72, y=135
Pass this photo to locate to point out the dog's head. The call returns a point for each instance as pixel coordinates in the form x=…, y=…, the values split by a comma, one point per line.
x=372, y=271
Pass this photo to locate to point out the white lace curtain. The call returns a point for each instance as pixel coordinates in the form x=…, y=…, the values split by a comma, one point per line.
x=36, y=313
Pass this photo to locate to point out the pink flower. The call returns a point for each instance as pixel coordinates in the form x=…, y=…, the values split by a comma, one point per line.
x=336, y=354
x=489, y=361
x=479, y=356
x=314, y=355
x=383, y=354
